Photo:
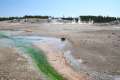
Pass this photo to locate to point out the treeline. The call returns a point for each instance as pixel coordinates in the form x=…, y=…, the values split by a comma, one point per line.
x=67, y=18
x=70, y=19
x=94, y=19
x=9, y=18
x=24, y=17
x=98, y=19
x=40, y=17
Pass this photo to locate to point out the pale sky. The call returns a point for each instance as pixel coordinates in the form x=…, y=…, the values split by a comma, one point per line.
x=59, y=7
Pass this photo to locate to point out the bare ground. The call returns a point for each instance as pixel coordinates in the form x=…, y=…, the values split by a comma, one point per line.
x=15, y=67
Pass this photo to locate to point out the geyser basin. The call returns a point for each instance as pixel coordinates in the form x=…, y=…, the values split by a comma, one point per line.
x=27, y=42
